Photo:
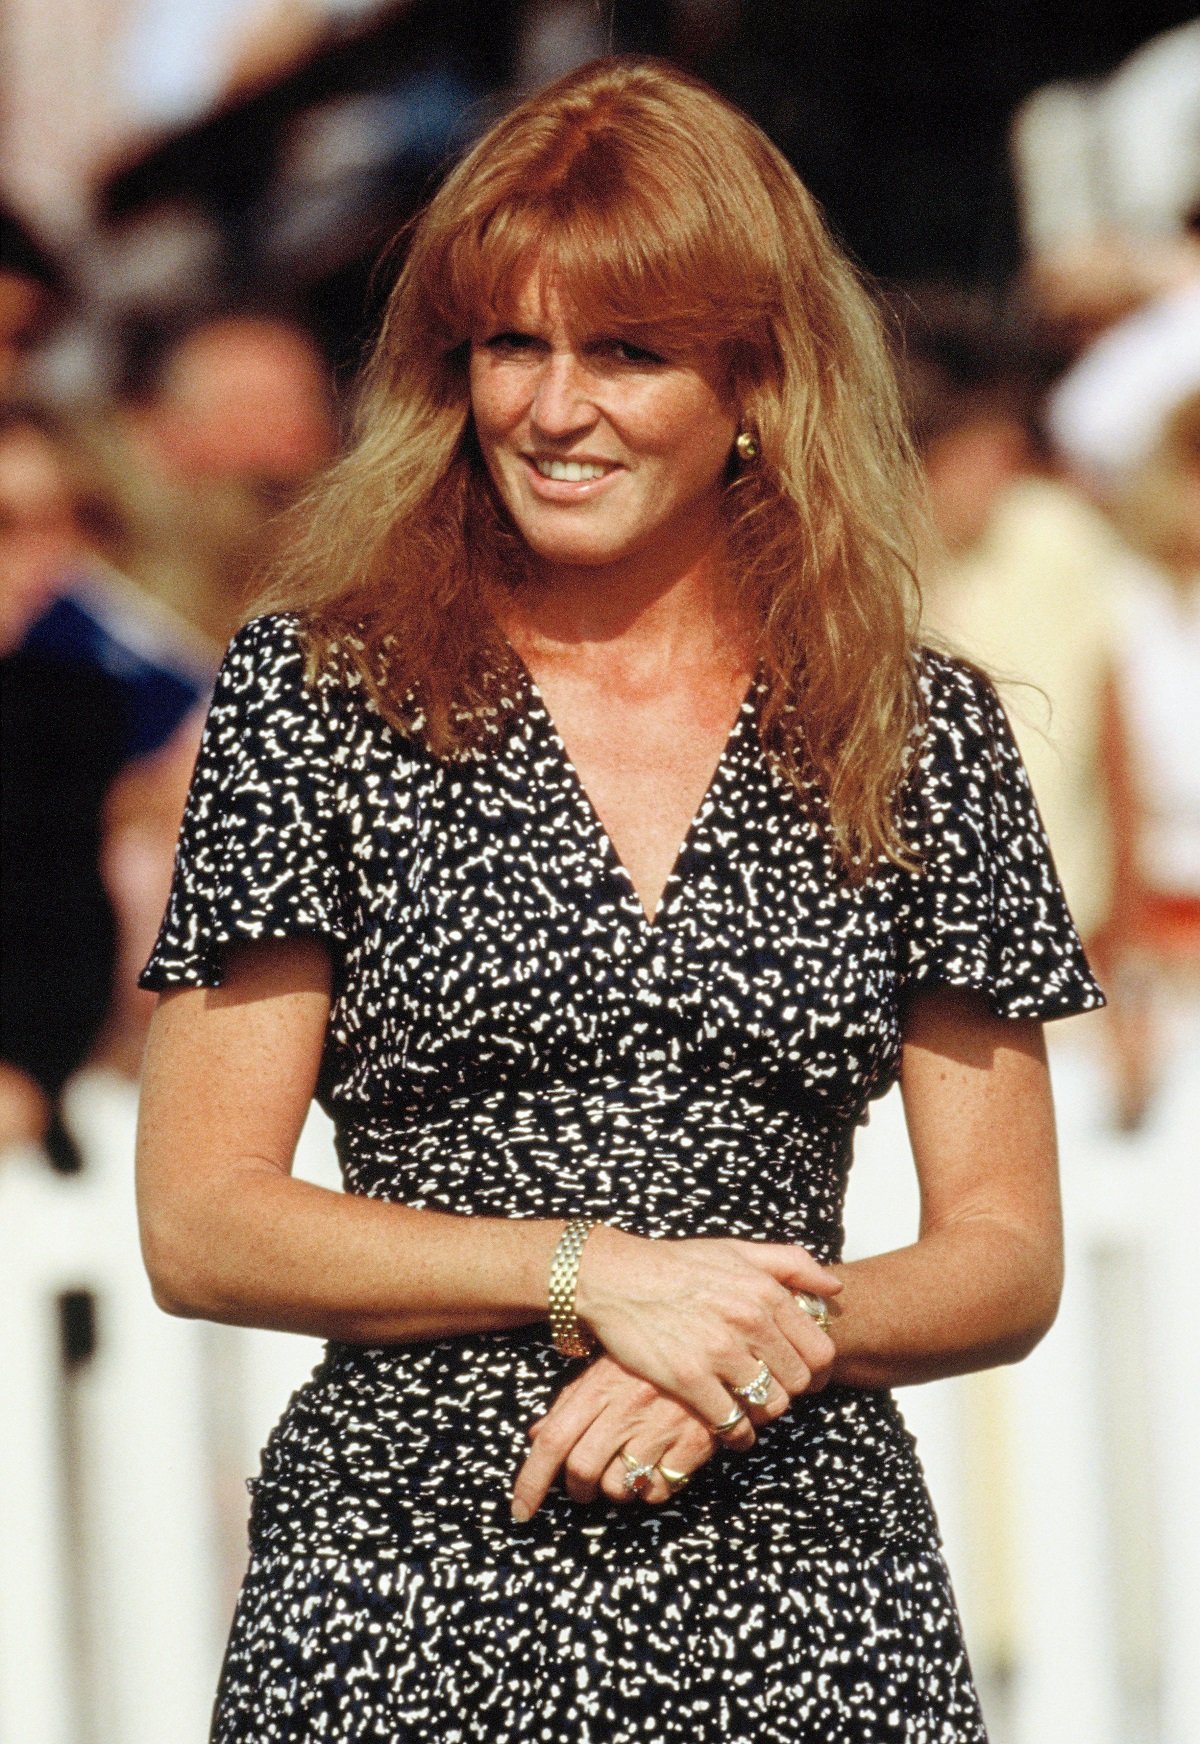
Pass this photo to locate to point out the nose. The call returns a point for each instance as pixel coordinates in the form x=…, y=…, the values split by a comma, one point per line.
x=561, y=404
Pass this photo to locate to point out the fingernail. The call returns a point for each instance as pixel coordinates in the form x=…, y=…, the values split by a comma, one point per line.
x=520, y=1513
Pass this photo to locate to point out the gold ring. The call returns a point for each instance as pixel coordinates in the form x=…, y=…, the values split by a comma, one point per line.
x=815, y=1307
x=674, y=1480
x=730, y=1422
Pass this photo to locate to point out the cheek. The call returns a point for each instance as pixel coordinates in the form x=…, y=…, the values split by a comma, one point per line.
x=491, y=403
x=700, y=446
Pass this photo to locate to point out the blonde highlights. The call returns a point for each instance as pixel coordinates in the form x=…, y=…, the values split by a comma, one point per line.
x=660, y=210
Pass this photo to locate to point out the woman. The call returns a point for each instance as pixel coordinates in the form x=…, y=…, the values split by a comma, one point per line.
x=614, y=564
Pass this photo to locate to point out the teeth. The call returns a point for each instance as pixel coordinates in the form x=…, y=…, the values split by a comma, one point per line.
x=569, y=471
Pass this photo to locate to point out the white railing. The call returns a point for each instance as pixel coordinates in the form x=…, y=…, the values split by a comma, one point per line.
x=122, y=1500
x=1066, y=1488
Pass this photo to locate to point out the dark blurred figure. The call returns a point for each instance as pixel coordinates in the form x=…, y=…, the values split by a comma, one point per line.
x=60, y=746
x=98, y=676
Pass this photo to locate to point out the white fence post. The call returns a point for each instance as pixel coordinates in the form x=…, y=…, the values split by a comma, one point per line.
x=36, y=1686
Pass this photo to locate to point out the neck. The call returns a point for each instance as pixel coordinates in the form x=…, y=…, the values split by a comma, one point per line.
x=647, y=610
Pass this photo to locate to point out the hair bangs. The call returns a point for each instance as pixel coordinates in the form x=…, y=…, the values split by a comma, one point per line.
x=622, y=255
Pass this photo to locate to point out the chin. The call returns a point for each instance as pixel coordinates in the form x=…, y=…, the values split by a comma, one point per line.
x=581, y=551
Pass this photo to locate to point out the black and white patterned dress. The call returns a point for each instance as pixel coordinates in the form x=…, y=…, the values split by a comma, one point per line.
x=510, y=1037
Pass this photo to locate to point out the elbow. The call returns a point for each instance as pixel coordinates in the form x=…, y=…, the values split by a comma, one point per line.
x=172, y=1301
x=175, y=1281
x=1020, y=1344
x=1037, y=1310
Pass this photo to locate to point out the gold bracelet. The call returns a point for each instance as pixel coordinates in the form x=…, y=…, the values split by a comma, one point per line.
x=569, y=1337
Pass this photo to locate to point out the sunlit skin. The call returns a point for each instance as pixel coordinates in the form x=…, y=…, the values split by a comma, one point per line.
x=659, y=425
x=632, y=637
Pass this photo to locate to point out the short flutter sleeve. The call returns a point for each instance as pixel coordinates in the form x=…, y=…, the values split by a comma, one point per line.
x=986, y=910
x=259, y=853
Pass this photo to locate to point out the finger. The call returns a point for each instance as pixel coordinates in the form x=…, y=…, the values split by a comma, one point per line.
x=765, y=1397
x=788, y=1373
x=561, y=1428
x=778, y=1400
x=685, y=1453
x=808, y=1337
x=734, y=1434
x=794, y=1346
x=822, y=1352
x=706, y=1395
x=622, y=1482
x=595, y=1455
x=667, y=1480
x=792, y=1266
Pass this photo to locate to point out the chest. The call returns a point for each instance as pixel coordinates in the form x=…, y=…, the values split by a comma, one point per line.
x=644, y=759
x=501, y=938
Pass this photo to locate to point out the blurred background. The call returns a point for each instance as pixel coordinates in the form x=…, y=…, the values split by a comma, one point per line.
x=194, y=199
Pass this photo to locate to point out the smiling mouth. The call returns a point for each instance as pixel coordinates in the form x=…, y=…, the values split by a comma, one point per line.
x=571, y=471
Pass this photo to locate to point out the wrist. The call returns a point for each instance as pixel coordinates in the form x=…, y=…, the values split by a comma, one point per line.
x=569, y=1331
x=590, y=1296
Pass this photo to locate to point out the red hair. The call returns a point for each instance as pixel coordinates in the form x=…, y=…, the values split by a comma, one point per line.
x=660, y=209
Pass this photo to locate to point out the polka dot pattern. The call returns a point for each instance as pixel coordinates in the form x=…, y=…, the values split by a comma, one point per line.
x=510, y=1037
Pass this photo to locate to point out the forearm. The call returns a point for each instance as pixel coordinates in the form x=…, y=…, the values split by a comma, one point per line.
x=286, y=1255
x=229, y=1234
x=966, y=1296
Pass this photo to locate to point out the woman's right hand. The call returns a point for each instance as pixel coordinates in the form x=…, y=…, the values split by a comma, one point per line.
x=696, y=1317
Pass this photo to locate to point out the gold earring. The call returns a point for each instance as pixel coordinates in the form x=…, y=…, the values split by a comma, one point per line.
x=746, y=446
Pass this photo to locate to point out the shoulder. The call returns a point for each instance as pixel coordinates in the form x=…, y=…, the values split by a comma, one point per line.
x=267, y=666
x=267, y=708
x=961, y=716
x=965, y=754
x=271, y=645
x=953, y=691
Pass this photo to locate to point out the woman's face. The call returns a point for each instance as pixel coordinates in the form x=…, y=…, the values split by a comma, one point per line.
x=601, y=452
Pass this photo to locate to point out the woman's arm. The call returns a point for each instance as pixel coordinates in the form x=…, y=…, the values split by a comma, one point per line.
x=229, y=1235
x=979, y=1286
x=981, y=1283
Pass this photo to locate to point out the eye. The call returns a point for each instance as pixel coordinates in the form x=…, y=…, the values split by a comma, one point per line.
x=509, y=342
x=625, y=351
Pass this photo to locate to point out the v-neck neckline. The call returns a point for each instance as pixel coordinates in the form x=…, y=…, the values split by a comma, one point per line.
x=651, y=926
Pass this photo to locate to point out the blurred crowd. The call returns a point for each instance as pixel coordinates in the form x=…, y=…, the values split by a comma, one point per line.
x=171, y=373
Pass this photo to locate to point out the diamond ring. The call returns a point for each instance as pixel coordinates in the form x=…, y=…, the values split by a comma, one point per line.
x=637, y=1472
x=755, y=1392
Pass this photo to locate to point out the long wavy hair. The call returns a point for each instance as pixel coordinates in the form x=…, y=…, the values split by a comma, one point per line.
x=658, y=208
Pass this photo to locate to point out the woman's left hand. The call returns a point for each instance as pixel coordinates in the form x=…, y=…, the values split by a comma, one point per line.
x=605, y=1410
